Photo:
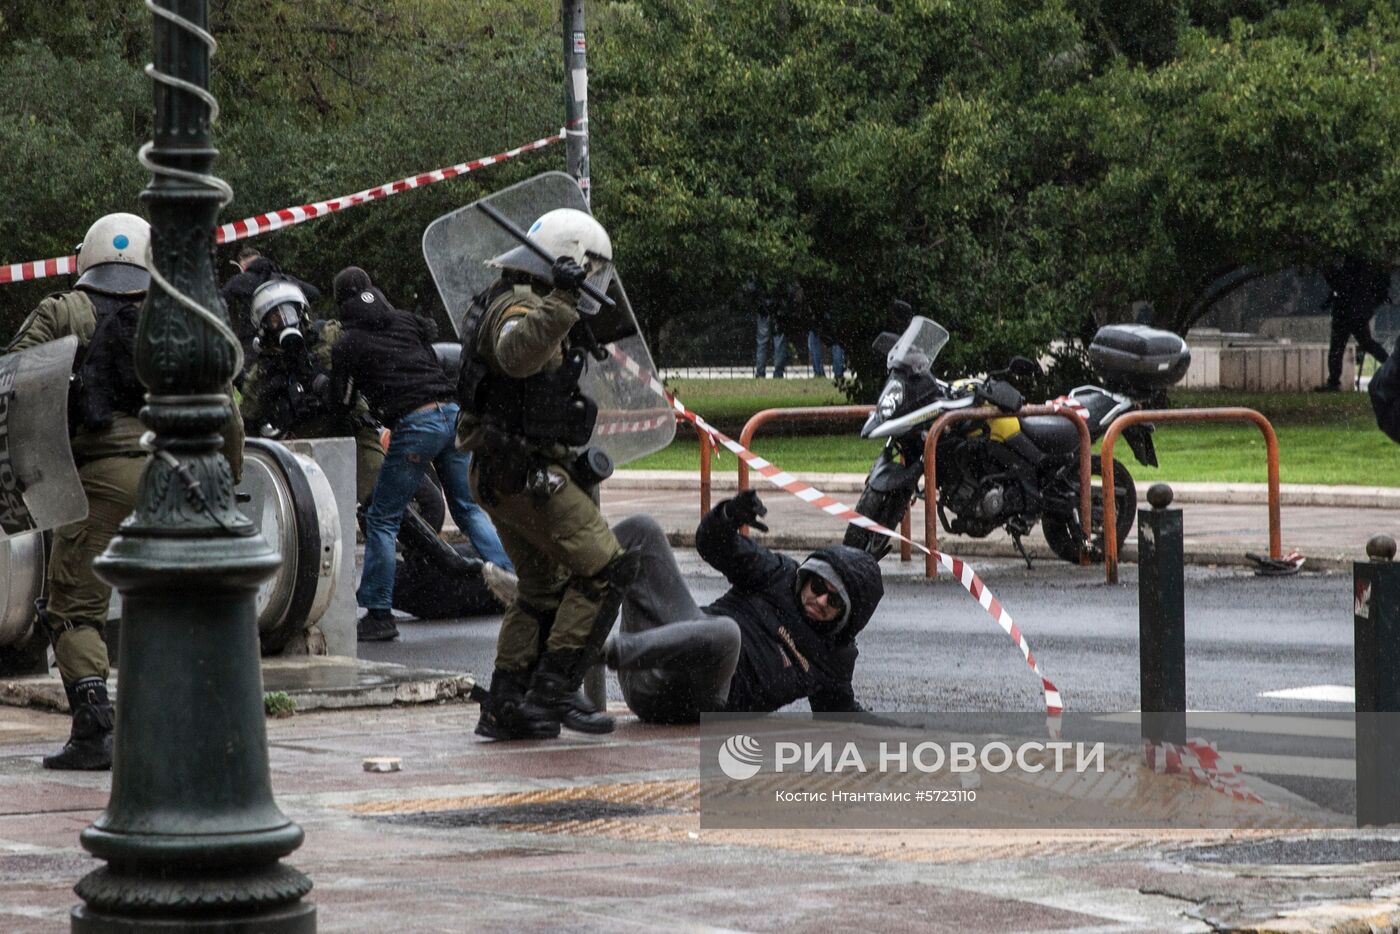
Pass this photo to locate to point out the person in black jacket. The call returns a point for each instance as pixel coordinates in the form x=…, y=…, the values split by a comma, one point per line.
x=387, y=356
x=784, y=631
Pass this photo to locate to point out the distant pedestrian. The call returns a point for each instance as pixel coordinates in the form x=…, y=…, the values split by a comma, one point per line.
x=768, y=328
x=1358, y=288
x=814, y=351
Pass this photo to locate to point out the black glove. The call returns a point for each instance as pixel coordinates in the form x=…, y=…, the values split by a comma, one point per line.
x=568, y=275
x=746, y=508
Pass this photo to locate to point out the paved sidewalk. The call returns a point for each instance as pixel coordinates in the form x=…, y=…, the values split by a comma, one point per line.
x=602, y=834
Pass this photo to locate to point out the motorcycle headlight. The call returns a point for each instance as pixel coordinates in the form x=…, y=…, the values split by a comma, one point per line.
x=890, y=400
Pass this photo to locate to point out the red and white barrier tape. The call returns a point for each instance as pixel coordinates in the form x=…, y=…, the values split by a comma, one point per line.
x=1069, y=404
x=1203, y=763
x=619, y=422
x=287, y=217
x=785, y=481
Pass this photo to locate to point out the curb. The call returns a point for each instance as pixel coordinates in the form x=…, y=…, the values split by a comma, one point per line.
x=313, y=682
x=1237, y=494
x=1038, y=552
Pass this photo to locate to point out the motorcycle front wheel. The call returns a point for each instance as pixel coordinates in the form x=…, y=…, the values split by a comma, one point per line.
x=886, y=509
x=1064, y=534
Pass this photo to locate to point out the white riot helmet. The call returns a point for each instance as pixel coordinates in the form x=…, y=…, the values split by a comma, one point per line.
x=562, y=232
x=112, y=258
x=277, y=311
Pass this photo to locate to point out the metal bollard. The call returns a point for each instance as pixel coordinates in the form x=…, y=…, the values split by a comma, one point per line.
x=1377, y=640
x=1161, y=619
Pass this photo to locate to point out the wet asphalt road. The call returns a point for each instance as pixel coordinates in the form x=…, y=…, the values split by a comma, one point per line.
x=931, y=647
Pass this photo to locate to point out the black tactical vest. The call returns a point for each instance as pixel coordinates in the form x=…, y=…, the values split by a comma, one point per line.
x=547, y=408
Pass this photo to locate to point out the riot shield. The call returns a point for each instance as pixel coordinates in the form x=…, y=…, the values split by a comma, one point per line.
x=39, y=485
x=633, y=419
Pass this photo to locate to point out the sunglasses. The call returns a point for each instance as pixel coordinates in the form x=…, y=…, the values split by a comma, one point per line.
x=820, y=588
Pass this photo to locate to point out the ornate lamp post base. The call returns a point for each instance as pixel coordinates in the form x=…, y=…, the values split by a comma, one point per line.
x=191, y=834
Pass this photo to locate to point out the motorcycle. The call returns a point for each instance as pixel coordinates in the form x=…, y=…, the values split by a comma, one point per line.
x=1009, y=472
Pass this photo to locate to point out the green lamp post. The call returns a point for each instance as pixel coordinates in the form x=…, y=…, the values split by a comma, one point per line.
x=191, y=836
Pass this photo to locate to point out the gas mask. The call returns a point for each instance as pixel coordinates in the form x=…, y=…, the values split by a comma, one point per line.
x=281, y=328
x=277, y=310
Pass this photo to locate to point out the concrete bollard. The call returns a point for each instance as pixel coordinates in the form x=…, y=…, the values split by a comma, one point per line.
x=1161, y=619
x=1377, y=640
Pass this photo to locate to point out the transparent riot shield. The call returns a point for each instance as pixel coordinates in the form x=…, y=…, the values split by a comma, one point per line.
x=39, y=486
x=633, y=418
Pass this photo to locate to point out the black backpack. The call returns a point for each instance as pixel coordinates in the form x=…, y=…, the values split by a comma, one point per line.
x=104, y=372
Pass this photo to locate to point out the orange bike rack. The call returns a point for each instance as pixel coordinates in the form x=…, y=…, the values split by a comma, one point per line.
x=706, y=451
x=809, y=413
x=989, y=412
x=1110, y=508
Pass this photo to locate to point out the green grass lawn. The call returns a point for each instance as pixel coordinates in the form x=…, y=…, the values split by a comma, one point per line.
x=1326, y=438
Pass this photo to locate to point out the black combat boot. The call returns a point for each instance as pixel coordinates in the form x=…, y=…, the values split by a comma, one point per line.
x=502, y=716
x=89, y=746
x=554, y=693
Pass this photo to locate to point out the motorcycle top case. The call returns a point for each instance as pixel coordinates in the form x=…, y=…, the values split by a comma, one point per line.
x=1136, y=357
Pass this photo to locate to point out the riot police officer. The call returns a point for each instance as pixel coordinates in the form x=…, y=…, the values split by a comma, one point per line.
x=101, y=311
x=287, y=391
x=525, y=418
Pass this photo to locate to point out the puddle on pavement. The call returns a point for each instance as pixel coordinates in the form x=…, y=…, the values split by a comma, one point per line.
x=1308, y=852
x=533, y=815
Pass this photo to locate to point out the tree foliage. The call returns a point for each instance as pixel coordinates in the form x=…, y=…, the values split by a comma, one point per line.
x=1016, y=169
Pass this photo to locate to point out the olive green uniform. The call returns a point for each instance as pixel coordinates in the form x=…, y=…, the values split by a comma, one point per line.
x=265, y=380
x=560, y=545
x=109, y=464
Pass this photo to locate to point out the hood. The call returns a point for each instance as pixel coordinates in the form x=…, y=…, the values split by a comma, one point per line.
x=262, y=267
x=367, y=308
x=860, y=578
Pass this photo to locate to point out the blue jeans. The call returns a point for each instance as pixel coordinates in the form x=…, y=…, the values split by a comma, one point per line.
x=768, y=328
x=418, y=440
x=814, y=353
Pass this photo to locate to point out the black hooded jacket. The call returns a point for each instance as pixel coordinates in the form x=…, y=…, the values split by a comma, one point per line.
x=783, y=657
x=387, y=355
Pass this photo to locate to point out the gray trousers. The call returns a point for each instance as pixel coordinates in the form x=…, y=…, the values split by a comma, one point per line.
x=673, y=661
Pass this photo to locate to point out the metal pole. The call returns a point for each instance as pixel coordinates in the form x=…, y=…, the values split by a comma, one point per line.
x=191, y=835
x=576, y=95
x=1377, y=639
x=1161, y=619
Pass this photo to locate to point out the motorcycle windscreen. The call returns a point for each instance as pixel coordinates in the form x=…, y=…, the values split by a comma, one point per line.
x=39, y=485
x=918, y=345
x=633, y=418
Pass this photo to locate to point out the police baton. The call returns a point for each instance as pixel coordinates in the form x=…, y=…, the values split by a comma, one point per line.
x=510, y=227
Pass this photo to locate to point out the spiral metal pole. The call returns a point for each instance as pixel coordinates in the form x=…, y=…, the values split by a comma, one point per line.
x=191, y=836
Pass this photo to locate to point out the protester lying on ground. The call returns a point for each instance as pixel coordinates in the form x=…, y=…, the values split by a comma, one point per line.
x=784, y=631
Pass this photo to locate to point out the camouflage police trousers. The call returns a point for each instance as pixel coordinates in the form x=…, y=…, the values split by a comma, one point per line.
x=562, y=550
x=77, y=610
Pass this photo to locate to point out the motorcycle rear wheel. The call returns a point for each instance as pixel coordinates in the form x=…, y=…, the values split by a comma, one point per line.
x=1064, y=534
x=886, y=509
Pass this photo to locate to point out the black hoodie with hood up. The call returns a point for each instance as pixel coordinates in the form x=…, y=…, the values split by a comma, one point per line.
x=384, y=353
x=784, y=656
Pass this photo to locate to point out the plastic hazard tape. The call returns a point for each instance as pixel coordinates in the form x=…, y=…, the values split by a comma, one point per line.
x=1069, y=404
x=619, y=422
x=785, y=481
x=287, y=217
x=1203, y=763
